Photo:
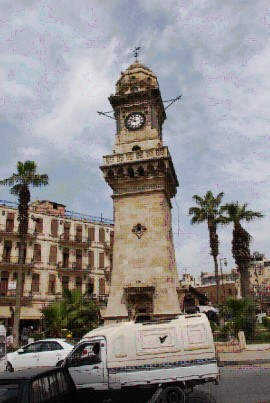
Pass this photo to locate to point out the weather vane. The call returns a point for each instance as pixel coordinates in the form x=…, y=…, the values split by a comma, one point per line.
x=136, y=51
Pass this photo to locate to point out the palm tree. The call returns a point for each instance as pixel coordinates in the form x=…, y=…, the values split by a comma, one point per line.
x=21, y=181
x=208, y=211
x=241, y=239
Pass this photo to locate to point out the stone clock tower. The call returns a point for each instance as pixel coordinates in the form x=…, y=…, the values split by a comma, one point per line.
x=141, y=174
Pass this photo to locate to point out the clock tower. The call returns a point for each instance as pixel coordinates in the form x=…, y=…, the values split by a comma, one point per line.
x=141, y=174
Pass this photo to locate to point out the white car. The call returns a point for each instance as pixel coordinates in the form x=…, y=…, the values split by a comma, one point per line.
x=41, y=353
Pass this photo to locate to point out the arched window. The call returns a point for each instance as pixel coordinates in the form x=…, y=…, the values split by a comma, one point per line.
x=10, y=222
x=101, y=235
x=35, y=282
x=65, y=282
x=131, y=172
x=78, y=235
x=53, y=254
x=39, y=225
x=150, y=169
x=101, y=260
x=140, y=171
x=102, y=286
x=66, y=257
x=91, y=233
x=91, y=286
x=161, y=165
x=7, y=251
x=54, y=228
x=4, y=283
x=52, y=284
x=78, y=283
x=120, y=171
x=78, y=258
x=110, y=173
x=37, y=253
x=91, y=262
x=136, y=148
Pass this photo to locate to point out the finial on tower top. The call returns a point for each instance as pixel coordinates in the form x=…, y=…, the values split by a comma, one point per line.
x=136, y=52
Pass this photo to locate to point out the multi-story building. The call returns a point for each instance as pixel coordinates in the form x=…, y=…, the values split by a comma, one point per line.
x=64, y=250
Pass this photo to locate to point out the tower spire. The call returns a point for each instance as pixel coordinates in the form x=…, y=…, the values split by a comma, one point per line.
x=136, y=52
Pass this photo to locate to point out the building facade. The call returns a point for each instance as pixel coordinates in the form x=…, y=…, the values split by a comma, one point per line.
x=141, y=174
x=64, y=250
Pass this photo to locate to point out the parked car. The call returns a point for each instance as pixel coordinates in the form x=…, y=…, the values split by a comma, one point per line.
x=41, y=353
x=50, y=385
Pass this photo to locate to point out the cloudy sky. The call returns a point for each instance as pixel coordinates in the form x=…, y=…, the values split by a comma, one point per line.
x=60, y=61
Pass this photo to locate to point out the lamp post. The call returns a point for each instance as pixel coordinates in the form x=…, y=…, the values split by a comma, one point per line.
x=222, y=282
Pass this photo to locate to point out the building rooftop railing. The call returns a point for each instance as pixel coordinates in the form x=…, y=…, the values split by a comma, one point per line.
x=68, y=214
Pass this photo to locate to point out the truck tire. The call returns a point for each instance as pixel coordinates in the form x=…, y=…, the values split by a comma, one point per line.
x=173, y=394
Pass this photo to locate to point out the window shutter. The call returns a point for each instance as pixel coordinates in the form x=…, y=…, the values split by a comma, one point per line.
x=101, y=286
x=101, y=235
x=53, y=254
x=101, y=260
x=37, y=253
x=54, y=228
x=39, y=225
x=91, y=234
x=91, y=258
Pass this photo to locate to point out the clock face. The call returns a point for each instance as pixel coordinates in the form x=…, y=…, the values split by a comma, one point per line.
x=135, y=121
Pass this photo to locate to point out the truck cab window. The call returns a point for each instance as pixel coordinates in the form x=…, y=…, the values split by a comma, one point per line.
x=85, y=354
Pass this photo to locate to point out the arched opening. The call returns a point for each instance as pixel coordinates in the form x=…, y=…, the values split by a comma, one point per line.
x=120, y=171
x=140, y=171
x=101, y=286
x=136, y=148
x=35, y=282
x=161, y=165
x=110, y=173
x=52, y=284
x=150, y=169
x=131, y=172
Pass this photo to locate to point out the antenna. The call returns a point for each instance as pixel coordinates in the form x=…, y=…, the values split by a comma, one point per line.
x=136, y=51
x=172, y=101
x=106, y=114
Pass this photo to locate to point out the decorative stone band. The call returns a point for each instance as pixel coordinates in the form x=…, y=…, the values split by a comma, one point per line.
x=138, y=189
x=166, y=365
x=152, y=153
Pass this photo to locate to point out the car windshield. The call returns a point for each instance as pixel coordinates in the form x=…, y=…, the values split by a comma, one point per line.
x=9, y=392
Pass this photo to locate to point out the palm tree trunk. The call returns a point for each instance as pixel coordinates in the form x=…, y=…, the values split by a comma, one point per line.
x=17, y=313
x=216, y=277
x=244, y=279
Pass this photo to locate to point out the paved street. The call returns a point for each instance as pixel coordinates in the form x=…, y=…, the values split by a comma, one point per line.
x=239, y=384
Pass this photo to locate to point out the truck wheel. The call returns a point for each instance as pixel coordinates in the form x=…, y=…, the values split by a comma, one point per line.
x=9, y=367
x=173, y=394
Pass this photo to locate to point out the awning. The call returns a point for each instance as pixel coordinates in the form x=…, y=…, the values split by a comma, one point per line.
x=26, y=312
x=5, y=312
x=32, y=312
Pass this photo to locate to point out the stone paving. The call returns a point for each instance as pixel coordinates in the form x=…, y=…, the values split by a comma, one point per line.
x=253, y=354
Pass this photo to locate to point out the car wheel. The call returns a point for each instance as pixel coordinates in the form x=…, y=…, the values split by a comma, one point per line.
x=59, y=363
x=9, y=367
x=173, y=394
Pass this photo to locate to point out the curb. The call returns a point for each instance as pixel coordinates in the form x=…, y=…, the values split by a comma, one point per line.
x=243, y=362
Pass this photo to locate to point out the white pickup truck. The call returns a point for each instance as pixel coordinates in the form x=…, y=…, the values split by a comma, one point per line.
x=171, y=356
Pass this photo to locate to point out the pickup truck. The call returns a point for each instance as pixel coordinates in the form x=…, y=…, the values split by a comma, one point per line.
x=167, y=355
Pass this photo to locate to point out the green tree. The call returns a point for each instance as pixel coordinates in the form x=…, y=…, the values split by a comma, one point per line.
x=75, y=312
x=21, y=182
x=235, y=213
x=242, y=316
x=208, y=210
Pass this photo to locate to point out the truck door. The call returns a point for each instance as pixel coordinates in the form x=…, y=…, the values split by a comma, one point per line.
x=87, y=365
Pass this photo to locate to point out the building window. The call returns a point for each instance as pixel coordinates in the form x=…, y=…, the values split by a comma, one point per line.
x=66, y=231
x=53, y=254
x=37, y=253
x=91, y=234
x=54, y=228
x=65, y=257
x=111, y=238
x=4, y=283
x=79, y=233
x=52, y=284
x=39, y=225
x=91, y=286
x=101, y=260
x=10, y=222
x=102, y=286
x=7, y=251
x=78, y=282
x=35, y=282
x=101, y=235
x=15, y=278
x=78, y=258
x=91, y=258
x=65, y=283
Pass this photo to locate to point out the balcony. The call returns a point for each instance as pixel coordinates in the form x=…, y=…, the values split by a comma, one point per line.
x=74, y=267
x=74, y=239
x=13, y=261
x=10, y=295
x=136, y=156
x=13, y=231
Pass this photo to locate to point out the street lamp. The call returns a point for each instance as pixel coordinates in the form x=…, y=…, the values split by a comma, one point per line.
x=220, y=264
